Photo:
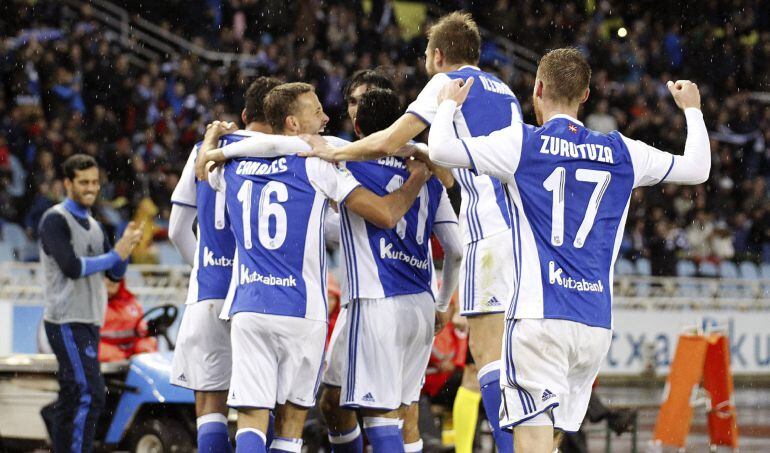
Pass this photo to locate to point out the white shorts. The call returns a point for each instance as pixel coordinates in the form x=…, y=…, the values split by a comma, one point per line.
x=549, y=368
x=336, y=352
x=388, y=344
x=487, y=275
x=202, y=357
x=275, y=359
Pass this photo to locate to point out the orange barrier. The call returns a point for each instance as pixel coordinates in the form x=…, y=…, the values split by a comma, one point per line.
x=698, y=360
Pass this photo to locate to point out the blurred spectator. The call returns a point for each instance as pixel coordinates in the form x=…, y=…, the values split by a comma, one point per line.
x=120, y=334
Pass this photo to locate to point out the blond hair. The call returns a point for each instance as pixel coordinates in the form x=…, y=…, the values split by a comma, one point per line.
x=457, y=35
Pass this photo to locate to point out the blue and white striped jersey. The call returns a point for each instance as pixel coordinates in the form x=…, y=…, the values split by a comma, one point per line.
x=277, y=208
x=210, y=276
x=383, y=263
x=490, y=106
x=570, y=189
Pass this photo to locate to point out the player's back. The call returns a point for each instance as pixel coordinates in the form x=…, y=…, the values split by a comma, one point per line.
x=216, y=246
x=277, y=219
x=389, y=262
x=573, y=186
x=490, y=106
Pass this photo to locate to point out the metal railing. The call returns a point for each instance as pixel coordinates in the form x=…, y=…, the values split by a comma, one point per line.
x=22, y=284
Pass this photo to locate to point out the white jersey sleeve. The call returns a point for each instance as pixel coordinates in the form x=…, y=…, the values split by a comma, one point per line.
x=652, y=166
x=184, y=192
x=334, y=182
x=445, y=213
x=496, y=154
x=268, y=145
x=426, y=106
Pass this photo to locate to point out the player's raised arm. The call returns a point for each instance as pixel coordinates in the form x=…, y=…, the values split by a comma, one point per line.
x=652, y=166
x=379, y=144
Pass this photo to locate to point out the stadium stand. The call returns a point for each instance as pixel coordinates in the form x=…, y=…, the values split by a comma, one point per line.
x=71, y=83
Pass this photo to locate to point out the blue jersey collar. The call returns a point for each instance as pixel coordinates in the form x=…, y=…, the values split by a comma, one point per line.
x=78, y=210
x=566, y=117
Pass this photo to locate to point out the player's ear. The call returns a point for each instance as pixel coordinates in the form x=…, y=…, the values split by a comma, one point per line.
x=290, y=123
x=585, y=95
x=244, y=118
x=539, y=88
x=357, y=128
x=438, y=57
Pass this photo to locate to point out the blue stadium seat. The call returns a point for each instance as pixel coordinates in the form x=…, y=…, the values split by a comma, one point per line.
x=168, y=254
x=765, y=268
x=708, y=269
x=643, y=267
x=728, y=269
x=749, y=270
x=685, y=268
x=624, y=267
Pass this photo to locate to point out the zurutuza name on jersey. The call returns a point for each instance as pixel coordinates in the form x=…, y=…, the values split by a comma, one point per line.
x=248, y=277
x=560, y=147
x=251, y=167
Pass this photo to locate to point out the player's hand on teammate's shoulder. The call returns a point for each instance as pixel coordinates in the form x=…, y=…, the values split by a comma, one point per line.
x=686, y=93
x=319, y=147
x=214, y=130
x=417, y=168
x=455, y=90
x=131, y=236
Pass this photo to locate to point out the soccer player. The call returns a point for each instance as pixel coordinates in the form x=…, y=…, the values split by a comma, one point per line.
x=278, y=306
x=377, y=362
x=569, y=190
x=202, y=358
x=452, y=53
x=76, y=255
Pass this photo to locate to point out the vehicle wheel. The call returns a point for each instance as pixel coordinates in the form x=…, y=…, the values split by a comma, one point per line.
x=163, y=435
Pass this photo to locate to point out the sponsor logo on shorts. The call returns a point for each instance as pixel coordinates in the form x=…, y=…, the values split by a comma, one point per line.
x=493, y=302
x=209, y=260
x=386, y=251
x=182, y=378
x=547, y=394
x=369, y=398
x=556, y=276
x=248, y=277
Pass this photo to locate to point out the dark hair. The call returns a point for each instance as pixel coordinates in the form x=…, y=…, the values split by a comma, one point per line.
x=566, y=73
x=255, y=98
x=281, y=102
x=374, y=78
x=77, y=162
x=377, y=109
x=457, y=35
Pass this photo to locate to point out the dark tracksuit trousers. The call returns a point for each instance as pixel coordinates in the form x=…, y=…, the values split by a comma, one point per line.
x=73, y=417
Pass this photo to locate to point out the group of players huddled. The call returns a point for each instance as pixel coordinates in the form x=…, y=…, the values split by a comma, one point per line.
x=532, y=250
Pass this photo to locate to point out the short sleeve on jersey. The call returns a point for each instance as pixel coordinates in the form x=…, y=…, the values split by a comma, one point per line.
x=426, y=104
x=336, y=183
x=496, y=154
x=651, y=165
x=445, y=213
x=184, y=192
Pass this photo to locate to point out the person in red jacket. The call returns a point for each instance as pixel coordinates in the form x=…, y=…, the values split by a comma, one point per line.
x=119, y=339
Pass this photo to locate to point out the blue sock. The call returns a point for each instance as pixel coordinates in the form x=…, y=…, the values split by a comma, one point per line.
x=384, y=434
x=489, y=379
x=270, y=434
x=349, y=442
x=285, y=445
x=213, y=436
x=249, y=440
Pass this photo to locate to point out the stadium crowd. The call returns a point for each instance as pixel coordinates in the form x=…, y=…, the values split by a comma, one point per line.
x=68, y=86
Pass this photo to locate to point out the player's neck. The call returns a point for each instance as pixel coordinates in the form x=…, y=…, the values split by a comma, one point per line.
x=256, y=126
x=551, y=110
x=75, y=208
x=454, y=67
